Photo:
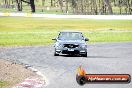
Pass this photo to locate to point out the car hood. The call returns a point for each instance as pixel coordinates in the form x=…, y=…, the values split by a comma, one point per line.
x=71, y=42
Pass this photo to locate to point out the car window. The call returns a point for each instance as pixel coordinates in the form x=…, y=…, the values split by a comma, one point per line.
x=70, y=36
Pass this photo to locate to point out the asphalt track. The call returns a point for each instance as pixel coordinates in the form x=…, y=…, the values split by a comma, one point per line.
x=103, y=58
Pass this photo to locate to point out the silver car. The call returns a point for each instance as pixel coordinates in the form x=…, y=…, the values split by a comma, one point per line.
x=70, y=42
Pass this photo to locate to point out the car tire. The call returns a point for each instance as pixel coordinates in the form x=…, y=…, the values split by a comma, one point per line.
x=84, y=55
x=55, y=54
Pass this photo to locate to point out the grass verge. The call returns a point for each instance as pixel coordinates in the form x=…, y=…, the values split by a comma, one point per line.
x=17, y=31
x=3, y=84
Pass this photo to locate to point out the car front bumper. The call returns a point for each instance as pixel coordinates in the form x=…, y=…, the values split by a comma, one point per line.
x=71, y=51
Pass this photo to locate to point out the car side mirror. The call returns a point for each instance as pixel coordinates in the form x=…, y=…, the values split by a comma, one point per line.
x=86, y=39
x=54, y=39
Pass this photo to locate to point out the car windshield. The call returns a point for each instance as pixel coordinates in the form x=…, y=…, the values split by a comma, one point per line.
x=70, y=36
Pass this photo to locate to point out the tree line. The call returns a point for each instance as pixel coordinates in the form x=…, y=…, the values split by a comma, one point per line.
x=90, y=7
x=18, y=4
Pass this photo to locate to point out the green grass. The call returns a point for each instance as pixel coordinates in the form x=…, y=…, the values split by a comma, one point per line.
x=28, y=10
x=17, y=31
x=3, y=84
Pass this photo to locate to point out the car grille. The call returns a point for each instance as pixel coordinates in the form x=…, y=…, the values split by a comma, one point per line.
x=70, y=46
x=70, y=52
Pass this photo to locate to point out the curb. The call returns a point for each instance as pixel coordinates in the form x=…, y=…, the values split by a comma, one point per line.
x=31, y=83
x=36, y=82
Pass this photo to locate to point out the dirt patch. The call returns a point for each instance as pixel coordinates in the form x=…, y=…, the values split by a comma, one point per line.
x=12, y=74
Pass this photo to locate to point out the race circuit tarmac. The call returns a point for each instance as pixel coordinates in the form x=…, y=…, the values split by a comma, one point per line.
x=103, y=58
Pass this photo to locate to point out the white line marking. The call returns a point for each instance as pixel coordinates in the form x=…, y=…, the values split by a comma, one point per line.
x=101, y=17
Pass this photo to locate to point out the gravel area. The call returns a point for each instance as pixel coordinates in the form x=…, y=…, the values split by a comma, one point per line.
x=12, y=73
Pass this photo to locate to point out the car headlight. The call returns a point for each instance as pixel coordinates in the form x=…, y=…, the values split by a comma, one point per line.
x=58, y=45
x=83, y=46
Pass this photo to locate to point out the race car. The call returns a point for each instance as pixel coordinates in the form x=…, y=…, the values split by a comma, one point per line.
x=70, y=42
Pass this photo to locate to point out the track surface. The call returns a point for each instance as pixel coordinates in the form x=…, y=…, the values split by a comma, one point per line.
x=112, y=58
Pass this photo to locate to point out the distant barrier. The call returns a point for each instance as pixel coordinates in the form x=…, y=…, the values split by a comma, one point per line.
x=105, y=17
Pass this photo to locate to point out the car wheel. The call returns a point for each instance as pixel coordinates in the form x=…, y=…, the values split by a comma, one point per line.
x=84, y=55
x=55, y=54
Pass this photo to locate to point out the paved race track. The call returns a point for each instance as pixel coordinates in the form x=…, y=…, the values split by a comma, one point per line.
x=112, y=58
